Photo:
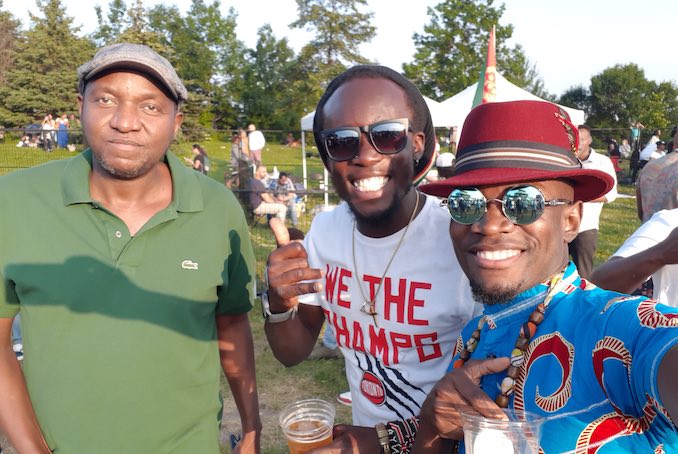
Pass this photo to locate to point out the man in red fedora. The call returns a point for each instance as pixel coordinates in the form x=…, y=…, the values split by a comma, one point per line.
x=596, y=364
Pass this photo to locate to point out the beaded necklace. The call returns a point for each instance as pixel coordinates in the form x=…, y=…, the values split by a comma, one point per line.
x=526, y=333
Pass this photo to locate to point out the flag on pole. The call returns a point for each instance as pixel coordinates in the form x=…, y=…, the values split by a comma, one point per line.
x=487, y=84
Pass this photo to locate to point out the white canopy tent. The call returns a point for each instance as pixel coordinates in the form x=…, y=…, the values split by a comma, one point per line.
x=307, y=125
x=458, y=106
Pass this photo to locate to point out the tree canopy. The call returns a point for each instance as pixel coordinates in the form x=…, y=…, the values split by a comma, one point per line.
x=621, y=95
x=9, y=32
x=271, y=85
x=42, y=79
x=451, y=52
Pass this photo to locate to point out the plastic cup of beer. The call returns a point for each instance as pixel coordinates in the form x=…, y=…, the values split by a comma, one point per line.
x=307, y=424
x=519, y=434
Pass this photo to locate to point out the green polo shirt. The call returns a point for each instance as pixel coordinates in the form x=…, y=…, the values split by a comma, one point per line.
x=119, y=331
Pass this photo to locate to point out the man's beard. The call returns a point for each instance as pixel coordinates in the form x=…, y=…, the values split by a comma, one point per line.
x=491, y=298
x=378, y=218
x=122, y=174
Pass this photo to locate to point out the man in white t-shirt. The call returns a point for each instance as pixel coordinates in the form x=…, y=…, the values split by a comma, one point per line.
x=380, y=266
x=652, y=250
x=256, y=144
x=652, y=151
x=583, y=247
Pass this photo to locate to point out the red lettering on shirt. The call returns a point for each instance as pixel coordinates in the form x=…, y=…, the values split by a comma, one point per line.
x=373, y=282
x=341, y=330
x=397, y=299
x=378, y=344
x=343, y=275
x=413, y=302
x=383, y=344
x=428, y=347
x=400, y=341
x=358, y=337
x=330, y=282
x=335, y=281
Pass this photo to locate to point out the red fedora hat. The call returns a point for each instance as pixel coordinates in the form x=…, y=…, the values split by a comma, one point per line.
x=517, y=142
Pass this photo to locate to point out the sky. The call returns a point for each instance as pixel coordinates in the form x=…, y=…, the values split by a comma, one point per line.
x=569, y=42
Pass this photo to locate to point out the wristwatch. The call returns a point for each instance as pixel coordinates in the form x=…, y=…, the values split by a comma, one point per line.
x=275, y=318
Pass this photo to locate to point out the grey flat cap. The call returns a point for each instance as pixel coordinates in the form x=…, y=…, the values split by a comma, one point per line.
x=133, y=56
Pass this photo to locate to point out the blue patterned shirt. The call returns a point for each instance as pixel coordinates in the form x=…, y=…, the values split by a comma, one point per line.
x=590, y=368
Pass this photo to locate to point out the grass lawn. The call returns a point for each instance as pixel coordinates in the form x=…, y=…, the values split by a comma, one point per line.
x=278, y=385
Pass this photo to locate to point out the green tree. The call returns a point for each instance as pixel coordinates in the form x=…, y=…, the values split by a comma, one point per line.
x=268, y=99
x=110, y=28
x=577, y=97
x=227, y=62
x=128, y=24
x=43, y=79
x=9, y=33
x=210, y=59
x=451, y=53
x=339, y=29
x=339, y=26
x=669, y=93
x=192, y=60
x=193, y=43
x=622, y=94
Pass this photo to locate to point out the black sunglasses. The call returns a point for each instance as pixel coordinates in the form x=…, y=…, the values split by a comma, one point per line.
x=522, y=205
x=387, y=137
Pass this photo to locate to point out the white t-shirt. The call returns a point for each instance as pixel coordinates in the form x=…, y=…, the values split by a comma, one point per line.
x=652, y=232
x=650, y=152
x=256, y=140
x=391, y=367
x=590, y=219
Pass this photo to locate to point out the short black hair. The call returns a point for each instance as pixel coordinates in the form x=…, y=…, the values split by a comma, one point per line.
x=421, y=116
x=282, y=174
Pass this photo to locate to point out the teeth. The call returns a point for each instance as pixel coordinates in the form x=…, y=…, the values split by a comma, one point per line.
x=370, y=184
x=498, y=255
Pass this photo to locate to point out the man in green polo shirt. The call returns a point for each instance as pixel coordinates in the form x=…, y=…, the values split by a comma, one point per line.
x=134, y=278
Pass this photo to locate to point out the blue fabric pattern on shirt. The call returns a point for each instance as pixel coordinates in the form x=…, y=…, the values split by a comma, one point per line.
x=590, y=369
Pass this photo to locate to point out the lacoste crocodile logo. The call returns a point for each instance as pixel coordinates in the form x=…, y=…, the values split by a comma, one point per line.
x=189, y=265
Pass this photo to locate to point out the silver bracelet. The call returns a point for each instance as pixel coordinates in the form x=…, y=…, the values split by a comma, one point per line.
x=275, y=318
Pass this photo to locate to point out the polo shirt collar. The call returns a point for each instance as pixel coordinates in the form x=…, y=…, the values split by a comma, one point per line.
x=187, y=194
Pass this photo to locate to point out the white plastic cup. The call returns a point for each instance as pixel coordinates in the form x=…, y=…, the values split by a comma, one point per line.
x=519, y=435
x=307, y=424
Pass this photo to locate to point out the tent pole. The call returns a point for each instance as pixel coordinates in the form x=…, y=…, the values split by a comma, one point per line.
x=325, y=178
x=303, y=158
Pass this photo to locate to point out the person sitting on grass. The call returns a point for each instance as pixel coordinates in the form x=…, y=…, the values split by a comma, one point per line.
x=261, y=200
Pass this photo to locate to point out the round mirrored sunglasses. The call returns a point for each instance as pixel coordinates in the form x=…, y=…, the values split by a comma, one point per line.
x=522, y=205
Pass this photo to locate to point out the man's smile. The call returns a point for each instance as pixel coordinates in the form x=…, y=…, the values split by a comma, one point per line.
x=370, y=184
x=497, y=255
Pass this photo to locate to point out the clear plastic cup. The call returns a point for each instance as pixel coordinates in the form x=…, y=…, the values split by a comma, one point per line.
x=307, y=424
x=519, y=435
